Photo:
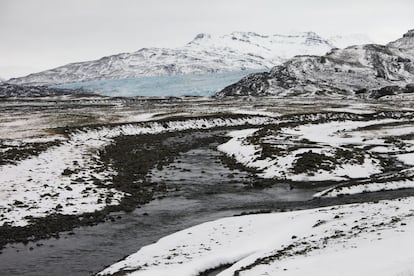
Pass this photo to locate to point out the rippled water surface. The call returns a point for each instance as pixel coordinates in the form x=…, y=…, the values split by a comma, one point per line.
x=200, y=188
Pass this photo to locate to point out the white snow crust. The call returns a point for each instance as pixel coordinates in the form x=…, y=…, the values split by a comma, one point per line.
x=357, y=239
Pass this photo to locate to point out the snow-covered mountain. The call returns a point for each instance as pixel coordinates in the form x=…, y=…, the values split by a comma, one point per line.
x=343, y=41
x=274, y=48
x=371, y=68
x=406, y=42
x=204, y=54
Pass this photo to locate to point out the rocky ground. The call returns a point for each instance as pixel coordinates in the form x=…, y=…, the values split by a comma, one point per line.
x=73, y=161
x=367, y=71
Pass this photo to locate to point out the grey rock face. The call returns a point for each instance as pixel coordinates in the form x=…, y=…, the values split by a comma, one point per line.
x=13, y=90
x=348, y=71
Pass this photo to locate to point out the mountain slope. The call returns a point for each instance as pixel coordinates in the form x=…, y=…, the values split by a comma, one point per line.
x=205, y=54
x=274, y=48
x=406, y=42
x=374, y=68
x=343, y=41
x=13, y=90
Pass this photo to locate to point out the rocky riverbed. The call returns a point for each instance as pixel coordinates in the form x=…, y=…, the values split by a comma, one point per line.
x=84, y=174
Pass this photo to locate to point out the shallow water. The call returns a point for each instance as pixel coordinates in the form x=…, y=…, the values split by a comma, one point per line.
x=194, y=197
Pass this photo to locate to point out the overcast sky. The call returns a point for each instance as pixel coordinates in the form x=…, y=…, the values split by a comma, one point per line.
x=41, y=34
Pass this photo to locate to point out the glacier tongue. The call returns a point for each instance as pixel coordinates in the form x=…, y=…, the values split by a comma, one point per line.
x=160, y=86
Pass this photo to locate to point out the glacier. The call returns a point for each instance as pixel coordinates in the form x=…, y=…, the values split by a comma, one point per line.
x=161, y=86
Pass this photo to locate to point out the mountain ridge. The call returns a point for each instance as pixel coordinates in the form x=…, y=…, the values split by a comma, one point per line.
x=204, y=54
x=353, y=70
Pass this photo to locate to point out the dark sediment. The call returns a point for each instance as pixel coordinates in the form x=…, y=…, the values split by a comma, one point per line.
x=13, y=153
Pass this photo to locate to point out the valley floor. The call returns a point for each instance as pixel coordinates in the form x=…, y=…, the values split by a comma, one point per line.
x=69, y=162
x=358, y=239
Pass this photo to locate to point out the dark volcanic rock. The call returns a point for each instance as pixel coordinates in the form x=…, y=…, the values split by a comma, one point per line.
x=252, y=84
x=387, y=91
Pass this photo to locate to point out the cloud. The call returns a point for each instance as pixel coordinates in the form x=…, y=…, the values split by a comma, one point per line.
x=46, y=33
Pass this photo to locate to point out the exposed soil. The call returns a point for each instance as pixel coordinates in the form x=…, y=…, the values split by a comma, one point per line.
x=133, y=157
x=12, y=154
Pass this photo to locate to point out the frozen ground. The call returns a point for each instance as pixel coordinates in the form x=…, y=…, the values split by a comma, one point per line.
x=68, y=178
x=359, y=154
x=359, y=239
x=367, y=150
x=338, y=147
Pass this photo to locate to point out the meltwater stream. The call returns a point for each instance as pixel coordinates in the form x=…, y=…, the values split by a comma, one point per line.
x=201, y=189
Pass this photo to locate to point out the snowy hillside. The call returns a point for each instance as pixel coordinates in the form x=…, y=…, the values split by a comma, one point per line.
x=343, y=41
x=359, y=239
x=273, y=48
x=377, y=69
x=205, y=54
x=406, y=42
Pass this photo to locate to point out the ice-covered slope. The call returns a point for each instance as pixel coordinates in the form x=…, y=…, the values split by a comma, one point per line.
x=274, y=48
x=205, y=54
x=376, y=69
x=343, y=41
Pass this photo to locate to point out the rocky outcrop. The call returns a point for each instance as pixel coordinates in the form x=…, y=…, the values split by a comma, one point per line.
x=13, y=90
x=348, y=71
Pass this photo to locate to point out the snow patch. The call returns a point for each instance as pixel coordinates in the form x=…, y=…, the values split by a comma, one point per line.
x=345, y=235
x=61, y=179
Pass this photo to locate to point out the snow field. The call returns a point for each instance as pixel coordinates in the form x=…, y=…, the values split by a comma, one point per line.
x=327, y=138
x=315, y=240
x=63, y=178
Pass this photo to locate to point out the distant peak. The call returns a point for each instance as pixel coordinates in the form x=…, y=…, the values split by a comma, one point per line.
x=202, y=36
x=200, y=39
x=405, y=42
x=346, y=40
x=245, y=33
x=360, y=36
x=410, y=33
x=310, y=34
